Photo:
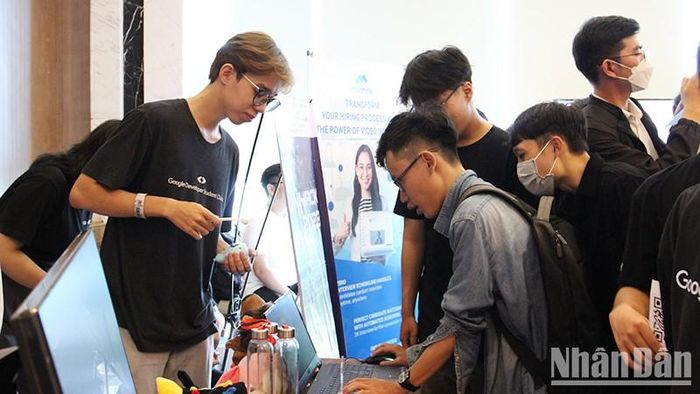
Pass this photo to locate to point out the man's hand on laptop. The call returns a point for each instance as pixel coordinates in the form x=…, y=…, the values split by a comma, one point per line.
x=400, y=359
x=373, y=386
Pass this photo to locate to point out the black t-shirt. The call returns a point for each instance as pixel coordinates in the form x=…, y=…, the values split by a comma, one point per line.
x=493, y=160
x=650, y=207
x=679, y=274
x=35, y=211
x=599, y=213
x=158, y=276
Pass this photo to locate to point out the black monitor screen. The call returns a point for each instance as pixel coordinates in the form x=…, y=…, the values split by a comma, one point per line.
x=68, y=334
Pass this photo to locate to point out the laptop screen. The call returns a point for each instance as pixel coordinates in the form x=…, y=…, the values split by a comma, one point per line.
x=68, y=333
x=285, y=311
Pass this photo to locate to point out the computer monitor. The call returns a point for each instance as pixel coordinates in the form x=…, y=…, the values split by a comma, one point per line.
x=67, y=332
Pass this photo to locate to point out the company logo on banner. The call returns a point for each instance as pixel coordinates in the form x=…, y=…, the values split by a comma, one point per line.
x=365, y=234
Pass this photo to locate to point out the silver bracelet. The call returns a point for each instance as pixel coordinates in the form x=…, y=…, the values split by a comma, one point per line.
x=139, y=199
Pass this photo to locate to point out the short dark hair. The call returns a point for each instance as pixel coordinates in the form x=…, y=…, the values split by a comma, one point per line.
x=431, y=73
x=254, y=52
x=426, y=124
x=598, y=39
x=72, y=161
x=540, y=122
x=271, y=175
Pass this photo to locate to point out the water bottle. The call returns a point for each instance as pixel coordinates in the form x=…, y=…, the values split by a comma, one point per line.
x=287, y=361
x=260, y=353
x=272, y=328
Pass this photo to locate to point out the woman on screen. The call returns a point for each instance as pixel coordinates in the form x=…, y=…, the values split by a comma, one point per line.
x=365, y=198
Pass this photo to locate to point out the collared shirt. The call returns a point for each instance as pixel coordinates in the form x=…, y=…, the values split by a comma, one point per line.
x=610, y=135
x=496, y=270
x=598, y=210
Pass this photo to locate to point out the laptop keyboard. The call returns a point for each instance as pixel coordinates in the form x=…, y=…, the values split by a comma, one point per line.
x=350, y=372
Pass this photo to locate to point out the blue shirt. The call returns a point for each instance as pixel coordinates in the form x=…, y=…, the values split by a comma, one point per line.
x=496, y=270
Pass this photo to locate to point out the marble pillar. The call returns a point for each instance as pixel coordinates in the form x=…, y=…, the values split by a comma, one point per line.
x=133, y=54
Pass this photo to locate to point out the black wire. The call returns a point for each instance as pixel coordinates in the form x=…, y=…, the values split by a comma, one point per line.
x=257, y=243
x=247, y=173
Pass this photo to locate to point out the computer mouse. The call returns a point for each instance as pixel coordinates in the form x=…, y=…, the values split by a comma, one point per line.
x=377, y=358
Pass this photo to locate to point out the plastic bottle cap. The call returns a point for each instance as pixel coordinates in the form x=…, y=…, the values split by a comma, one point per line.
x=259, y=333
x=286, y=332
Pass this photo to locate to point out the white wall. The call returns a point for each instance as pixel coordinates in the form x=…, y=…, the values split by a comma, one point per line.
x=520, y=50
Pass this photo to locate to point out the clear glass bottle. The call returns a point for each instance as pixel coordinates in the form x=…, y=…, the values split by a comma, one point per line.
x=259, y=362
x=287, y=361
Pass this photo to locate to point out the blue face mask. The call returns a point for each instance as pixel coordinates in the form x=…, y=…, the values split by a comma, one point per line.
x=531, y=179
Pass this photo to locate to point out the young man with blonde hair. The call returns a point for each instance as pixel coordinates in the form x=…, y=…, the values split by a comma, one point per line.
x=165, y=179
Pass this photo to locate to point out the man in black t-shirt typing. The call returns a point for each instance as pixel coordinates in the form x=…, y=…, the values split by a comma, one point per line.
x=165, y=179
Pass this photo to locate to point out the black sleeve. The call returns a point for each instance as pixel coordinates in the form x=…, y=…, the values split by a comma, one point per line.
x=683, y=141
x=624, y=189
x=641, y=247
x=401, y=209
x=665, y=266
x=118, y=161
x=29, y=205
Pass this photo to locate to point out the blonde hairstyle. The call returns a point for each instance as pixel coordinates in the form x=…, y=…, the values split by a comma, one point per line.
x=254, y=52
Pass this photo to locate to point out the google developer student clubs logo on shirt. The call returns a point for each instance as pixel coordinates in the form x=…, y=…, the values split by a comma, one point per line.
x=197, y=189
x=687, y=283
x=573, y=367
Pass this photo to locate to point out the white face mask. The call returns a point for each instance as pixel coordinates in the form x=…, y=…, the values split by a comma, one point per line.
x=640, y=76
x=532, y=180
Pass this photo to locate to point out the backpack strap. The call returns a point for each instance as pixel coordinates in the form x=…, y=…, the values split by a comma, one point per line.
x=545, y=208
x=538, y=369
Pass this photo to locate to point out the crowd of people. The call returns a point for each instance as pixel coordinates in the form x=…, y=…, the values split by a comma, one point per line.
x=630, y=196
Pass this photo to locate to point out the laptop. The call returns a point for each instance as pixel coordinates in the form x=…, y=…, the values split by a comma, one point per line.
x=316, y=377
x=68, y=336
x=376, y=236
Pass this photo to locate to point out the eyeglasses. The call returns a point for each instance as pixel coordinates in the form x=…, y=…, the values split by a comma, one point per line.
x=639, y=52
x=399, y=179
x=451, y=93
x=263, y=97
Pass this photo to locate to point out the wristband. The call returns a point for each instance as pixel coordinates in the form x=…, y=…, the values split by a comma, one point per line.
x=139, y=199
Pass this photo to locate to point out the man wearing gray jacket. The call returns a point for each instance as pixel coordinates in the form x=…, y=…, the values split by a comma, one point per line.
x=496, y=266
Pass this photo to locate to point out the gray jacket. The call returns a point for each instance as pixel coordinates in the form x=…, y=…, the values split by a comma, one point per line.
x=495, y=270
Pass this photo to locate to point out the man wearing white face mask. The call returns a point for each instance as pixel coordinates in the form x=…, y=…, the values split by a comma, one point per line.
x=608, y=53
x=549, y=140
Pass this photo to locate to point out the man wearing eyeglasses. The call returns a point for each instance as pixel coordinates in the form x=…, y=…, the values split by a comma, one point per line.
x=444, y=77
x=418, y=149
x=608, y=53
x=165, y=179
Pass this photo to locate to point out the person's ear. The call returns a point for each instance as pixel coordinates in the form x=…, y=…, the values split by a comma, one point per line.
x=467, y=90
x=270, y=189
x=558, y=145
x=430, y=159
x=227, y=73
x=607, y=67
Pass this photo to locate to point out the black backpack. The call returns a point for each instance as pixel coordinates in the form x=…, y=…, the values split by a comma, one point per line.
x=572, y=321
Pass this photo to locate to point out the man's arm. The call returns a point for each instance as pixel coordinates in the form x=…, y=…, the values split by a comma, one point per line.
x=190, y=217
x=629, y=322
x=411, y=265
x=267, y=276
x=17, y=265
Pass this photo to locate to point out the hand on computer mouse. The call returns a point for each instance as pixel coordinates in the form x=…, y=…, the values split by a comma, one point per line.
x=388, y=354
x=378, y=358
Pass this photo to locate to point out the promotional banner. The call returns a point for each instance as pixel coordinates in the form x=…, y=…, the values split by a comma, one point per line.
x=352, y=106
x=301, y=168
